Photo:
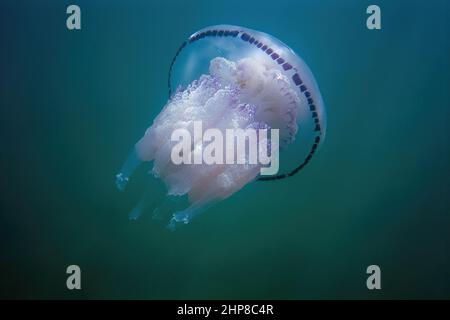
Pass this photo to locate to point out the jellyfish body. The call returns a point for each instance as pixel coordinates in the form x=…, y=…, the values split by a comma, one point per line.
x=230, y=77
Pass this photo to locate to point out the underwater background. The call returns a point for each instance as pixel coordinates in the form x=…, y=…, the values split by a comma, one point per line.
x=73, y=102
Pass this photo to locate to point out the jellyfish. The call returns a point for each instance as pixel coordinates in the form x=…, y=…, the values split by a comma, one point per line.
x=226, y=77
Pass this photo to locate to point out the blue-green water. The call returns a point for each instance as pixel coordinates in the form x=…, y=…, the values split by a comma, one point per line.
x=74, y=102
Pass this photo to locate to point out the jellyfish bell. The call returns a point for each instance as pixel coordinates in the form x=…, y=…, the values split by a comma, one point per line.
x=230, y=77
